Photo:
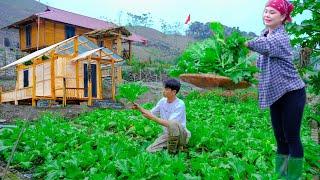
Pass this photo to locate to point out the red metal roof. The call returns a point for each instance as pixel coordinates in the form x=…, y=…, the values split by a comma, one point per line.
x=136, y=38
x=83, y=21
x=74, y=19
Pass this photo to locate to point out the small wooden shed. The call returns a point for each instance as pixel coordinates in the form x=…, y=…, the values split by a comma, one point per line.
x=70, y=70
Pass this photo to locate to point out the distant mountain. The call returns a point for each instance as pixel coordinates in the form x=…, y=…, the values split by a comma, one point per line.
x=160, y=46
x=15, y=10
x=12, y=11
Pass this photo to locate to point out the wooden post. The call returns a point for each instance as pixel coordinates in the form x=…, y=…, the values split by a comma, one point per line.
x=76, y=53
x=119, y=74
x=17, y=72
x=99, y=79
x=113, y=84
x=53, y=75
x=64, y=103
x=15, y=99
x=38, y=32
x=89, y=83
x=76, y=46
x=77, y=78
x=34, y=85
x=44, y=34
x=17, y=86
x=130, y=52
x=0, y=95
x=119, y=45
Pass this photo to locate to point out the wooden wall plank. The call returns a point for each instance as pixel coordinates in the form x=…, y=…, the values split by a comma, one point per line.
x=41, y=33
x=108, y=43
x=22, y=38
x=49, y=33
x=34, y=31
x=80, y=31
x=59, y=32
x=20, y=78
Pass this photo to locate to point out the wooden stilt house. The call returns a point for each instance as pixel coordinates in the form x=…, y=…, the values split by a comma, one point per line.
x=54, y=25
x=70, y=70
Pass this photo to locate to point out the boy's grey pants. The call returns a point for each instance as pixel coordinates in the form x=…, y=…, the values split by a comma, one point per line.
x=175, y=129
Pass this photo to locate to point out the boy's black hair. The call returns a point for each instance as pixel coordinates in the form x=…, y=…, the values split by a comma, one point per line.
x=173, y=84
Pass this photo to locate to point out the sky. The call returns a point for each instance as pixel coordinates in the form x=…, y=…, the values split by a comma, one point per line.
x=245, y=14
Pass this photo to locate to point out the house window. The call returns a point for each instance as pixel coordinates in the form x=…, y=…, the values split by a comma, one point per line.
x=101, y=43
x=6, y=42
x=26, y=78
x=70, y=31
x=28, y=35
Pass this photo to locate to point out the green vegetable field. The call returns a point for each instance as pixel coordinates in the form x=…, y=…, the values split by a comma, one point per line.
x=231, y=139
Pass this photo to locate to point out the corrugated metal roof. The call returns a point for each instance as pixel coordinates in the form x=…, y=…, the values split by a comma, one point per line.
x=136, y=38
x=74, y=19
x=36, y=54
x=86, y=48
x=84, y=21
x=67, y=17
x=85, y=54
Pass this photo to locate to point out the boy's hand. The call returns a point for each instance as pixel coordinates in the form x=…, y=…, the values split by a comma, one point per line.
x=147, y=114
x=136, y=106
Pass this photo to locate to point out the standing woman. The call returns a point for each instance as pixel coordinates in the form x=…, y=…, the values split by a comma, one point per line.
x=280, y=87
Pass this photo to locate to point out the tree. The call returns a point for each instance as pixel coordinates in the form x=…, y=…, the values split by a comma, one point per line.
x=144, y=19
x=172, y=29
x=307, y=37
x=307, y=33
x=198, y=30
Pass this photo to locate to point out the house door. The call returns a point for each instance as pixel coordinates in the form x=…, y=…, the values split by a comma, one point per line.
x=93, y=79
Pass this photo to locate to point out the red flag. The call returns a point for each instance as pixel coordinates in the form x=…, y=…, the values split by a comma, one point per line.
x=187, y=20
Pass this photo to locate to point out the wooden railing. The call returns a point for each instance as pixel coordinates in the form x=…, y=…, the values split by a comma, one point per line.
x=18, y=94
x=74, y=93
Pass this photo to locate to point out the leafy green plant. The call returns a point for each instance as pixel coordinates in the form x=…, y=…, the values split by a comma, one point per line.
x=28, y=63
x=219, y=54
x=136, y=64
x=315, y=83
x=306, y=34
x=44, y=57
x=230, y=140
x=131, y=91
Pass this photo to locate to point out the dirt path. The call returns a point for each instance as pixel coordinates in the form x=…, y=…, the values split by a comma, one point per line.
x=9, y=112
x=12, y=174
